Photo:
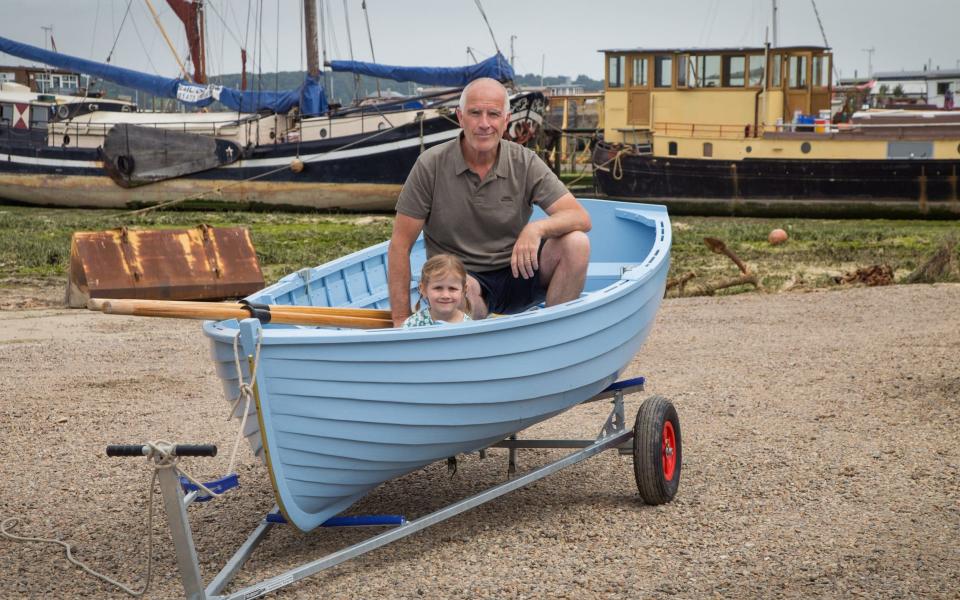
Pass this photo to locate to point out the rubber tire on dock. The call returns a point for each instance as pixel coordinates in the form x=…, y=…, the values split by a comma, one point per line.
x=657, y=454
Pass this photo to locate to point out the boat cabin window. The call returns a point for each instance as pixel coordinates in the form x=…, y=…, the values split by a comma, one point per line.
x=640, y=70
x=48, y=82
x=776, y=71
x=682, y=70
x=797, y=73
x=755, y=70
x=733, y=71
x=616, y=71
x=6, y=114
x=705, y=71
x=663, y=71
x=821, y=71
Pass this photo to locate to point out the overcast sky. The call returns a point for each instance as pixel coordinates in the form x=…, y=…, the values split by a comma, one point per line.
x=560, y=36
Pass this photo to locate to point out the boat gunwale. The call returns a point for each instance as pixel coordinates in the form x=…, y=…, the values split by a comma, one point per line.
x=650, y=215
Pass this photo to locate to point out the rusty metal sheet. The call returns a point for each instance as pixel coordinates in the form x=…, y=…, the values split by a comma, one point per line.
x=202, y=263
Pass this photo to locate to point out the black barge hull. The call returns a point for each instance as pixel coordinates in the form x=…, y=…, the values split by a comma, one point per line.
x=917, y=188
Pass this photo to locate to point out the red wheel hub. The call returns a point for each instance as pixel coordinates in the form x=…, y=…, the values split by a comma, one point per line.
x=668, y=451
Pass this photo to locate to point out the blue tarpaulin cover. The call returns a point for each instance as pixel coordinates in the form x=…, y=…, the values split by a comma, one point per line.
x=495, y=67
x=310, y=96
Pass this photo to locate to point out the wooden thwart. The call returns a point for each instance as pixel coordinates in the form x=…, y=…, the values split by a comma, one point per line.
x=354, y=318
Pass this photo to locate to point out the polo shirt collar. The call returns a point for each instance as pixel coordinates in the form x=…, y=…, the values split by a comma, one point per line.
x=499, y=167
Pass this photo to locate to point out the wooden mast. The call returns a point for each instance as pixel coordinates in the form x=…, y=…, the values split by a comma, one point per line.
x=156, y=17
x=313, y=54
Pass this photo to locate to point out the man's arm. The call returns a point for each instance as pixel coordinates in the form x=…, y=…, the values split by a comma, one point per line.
x=563, y=216
x=405, y=232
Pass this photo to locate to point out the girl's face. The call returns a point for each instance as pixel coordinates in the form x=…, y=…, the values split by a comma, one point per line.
x=444, y=293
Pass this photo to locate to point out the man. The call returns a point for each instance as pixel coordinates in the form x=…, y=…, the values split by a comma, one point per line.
x=472, y=197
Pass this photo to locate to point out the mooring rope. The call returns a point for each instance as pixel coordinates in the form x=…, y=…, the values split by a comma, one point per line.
x=616, y=171
x=161, y=454
x=245, y=392
x=11, y=522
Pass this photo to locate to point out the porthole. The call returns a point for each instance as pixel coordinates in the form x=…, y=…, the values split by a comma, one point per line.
x=805, y=147
x=273, y=135
x=323, y=132
x=749, y=149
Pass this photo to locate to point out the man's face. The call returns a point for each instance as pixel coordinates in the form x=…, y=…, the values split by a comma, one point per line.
x=483, y=119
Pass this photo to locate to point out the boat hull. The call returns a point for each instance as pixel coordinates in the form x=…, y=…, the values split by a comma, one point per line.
x=362, y=172
x=339, y=412
x=837, y=187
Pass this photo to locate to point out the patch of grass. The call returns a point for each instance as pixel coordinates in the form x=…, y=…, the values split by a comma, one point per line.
x=35, y=242
x=817, y=250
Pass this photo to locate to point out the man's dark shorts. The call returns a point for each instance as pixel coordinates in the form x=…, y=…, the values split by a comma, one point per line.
x=505, y=294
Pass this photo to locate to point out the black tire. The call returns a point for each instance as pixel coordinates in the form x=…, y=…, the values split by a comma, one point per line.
x=656, y=466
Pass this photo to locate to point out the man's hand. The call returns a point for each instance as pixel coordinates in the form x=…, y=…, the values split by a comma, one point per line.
x=524, y=260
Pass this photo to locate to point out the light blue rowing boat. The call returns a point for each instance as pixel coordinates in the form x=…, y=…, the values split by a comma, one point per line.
x=340, y=411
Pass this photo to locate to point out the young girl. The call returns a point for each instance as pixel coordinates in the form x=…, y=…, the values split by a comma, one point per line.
x=442, y=284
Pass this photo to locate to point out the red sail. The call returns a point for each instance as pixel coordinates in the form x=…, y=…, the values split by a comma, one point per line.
x=191, y=14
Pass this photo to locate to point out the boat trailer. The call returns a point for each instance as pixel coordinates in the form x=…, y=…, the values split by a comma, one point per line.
x=654, y=441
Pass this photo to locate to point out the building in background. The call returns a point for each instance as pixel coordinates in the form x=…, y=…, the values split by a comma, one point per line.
x=45, y=80
x=927, y=88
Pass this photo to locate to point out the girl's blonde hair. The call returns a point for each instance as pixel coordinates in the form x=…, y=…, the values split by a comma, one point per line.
x=440, y=265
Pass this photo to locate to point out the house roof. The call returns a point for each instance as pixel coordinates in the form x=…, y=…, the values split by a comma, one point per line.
x=926, y=75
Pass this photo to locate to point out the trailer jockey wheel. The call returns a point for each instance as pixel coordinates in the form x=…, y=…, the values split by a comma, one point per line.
x=657, y=455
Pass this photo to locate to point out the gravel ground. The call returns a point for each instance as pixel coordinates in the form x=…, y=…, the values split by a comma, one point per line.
x=821, y=458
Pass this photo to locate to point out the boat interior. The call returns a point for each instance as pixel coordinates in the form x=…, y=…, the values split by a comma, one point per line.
x=360, y=280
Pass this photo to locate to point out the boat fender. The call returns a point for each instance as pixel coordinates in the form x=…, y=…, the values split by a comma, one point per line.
x=125, y=164
x=258, y=311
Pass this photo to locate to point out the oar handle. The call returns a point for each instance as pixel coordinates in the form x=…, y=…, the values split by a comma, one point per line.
x=128, y=304
x=218, y=312
x=178, y=450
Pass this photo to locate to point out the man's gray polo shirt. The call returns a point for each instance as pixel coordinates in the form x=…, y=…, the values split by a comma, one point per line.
x=479, y=221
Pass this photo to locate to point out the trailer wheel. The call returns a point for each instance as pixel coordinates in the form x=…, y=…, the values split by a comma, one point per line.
x=657, y=454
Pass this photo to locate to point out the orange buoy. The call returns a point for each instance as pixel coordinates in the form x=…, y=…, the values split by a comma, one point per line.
x=777, y=236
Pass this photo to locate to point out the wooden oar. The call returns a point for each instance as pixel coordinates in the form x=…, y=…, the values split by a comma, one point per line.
x=369, y=313
x=217, y=312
